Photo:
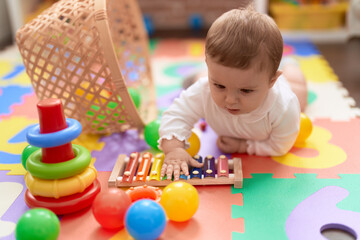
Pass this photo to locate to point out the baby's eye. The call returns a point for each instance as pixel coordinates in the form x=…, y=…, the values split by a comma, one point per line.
x=219, y=86
x=246, y=90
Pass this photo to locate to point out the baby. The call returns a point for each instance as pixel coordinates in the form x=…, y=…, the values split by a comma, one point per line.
x=244, y=99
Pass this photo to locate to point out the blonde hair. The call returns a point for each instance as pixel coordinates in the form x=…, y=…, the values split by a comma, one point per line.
x=243, y=37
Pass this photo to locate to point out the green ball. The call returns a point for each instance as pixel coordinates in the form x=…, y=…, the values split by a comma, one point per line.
x=135, y=96
x=28, y=150
x=38, y=224
x=151, y=133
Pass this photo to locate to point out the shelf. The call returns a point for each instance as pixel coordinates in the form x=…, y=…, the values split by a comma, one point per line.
x=317, y=36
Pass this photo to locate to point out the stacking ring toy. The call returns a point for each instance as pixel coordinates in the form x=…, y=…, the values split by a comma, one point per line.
x=65, y=205
x=60, y=187
x=141, y=192
x=47, y=140
x=59, y=170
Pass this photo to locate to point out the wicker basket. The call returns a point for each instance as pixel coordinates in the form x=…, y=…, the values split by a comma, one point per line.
x=87, y=53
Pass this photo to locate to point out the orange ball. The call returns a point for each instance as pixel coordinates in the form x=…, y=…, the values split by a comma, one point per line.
x=305, y=129
x=194, y=142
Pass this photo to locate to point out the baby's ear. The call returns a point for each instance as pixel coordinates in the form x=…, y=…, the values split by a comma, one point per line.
x=274, y=78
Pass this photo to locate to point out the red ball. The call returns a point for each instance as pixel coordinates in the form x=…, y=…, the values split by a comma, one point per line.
x=109, y=208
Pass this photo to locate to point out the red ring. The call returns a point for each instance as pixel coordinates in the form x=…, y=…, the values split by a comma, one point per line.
x=147, y=192
x=65, y=205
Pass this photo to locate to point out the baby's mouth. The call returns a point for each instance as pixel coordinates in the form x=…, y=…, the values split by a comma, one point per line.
x=233, y=110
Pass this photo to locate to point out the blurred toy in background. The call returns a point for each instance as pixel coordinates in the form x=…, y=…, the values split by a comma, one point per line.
x=196, y=22
x=60, y=176
x=305, y=129
x=149, y=25
x=353, y=18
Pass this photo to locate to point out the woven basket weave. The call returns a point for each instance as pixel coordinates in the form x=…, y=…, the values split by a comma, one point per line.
x=87, y=53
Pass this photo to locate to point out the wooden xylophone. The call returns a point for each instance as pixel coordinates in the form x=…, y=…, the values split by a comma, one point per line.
x=137, y=170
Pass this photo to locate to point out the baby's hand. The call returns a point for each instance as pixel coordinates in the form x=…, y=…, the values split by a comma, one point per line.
x=176, y=160
x=231, y=145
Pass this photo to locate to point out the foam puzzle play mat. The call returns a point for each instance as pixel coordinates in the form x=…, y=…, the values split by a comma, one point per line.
x=313, y=188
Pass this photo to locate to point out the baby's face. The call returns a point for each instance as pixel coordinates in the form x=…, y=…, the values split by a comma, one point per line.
x=238, y=91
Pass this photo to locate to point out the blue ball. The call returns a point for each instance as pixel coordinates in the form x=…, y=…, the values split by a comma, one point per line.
x=145, y=219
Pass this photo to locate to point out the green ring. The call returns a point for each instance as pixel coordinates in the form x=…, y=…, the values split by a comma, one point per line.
x=60, y=170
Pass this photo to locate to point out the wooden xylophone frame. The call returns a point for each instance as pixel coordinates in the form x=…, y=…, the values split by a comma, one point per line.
x=235, y=178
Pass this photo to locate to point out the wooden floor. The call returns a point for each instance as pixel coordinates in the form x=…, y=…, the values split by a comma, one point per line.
x=344, y=58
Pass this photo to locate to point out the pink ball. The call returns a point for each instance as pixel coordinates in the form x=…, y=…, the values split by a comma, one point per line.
x=109, y=208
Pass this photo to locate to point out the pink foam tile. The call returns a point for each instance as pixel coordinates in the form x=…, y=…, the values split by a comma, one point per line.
x=170, y=48
x=25, y=109
x=344, y=135
x=211, y=221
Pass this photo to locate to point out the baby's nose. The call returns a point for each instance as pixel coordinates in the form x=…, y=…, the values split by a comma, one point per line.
x=231, y=98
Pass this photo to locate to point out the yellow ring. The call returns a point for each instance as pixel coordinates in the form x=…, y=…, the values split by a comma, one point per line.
x=60, y=187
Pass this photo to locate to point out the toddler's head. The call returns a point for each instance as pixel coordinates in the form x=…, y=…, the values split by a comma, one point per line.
x=242, y=38
x=243, y=51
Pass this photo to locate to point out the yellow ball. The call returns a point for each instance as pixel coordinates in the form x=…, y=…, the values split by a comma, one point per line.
x=305, y=128
x=194, y=144
x=180, y=201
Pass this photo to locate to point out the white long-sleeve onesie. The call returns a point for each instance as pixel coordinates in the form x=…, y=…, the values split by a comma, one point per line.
x=270, y=130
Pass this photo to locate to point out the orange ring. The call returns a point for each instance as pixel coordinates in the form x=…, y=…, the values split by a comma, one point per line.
x=141, y=192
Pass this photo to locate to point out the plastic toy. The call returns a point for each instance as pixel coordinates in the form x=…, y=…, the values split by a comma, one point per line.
x=109, y=208
x=135, y=96
x=28, y=150
x=144, y=167
x=90, y=66
x=194, y=142
x=196, y=173
x=155, y=171
x=141, y=192
x=39, y=224
x=124, y=173
x=149, y=25
x=52, y=124
x=151, y=134
x=196, y=22
x=65, y=205
x=60, y=176
x=145, y=219
x=66, y=169
x=62, y=187
x=305, y=129
x=180, y=201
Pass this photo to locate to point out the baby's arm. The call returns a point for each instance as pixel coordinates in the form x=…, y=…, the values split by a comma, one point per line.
x=176, y=159
x=175, y=129
x=231, y=144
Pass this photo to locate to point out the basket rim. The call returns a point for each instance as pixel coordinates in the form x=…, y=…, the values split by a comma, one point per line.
x=101, y=21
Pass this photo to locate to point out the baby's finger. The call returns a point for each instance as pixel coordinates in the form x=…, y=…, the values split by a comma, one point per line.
x=219, y=142
x=163, y=170
x=185, y=168
x=176, y=172
x=226, y=140
x=195, y=163
x=169, y=171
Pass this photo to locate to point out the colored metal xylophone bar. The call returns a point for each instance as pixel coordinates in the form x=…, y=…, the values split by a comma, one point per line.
x=137, y=170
